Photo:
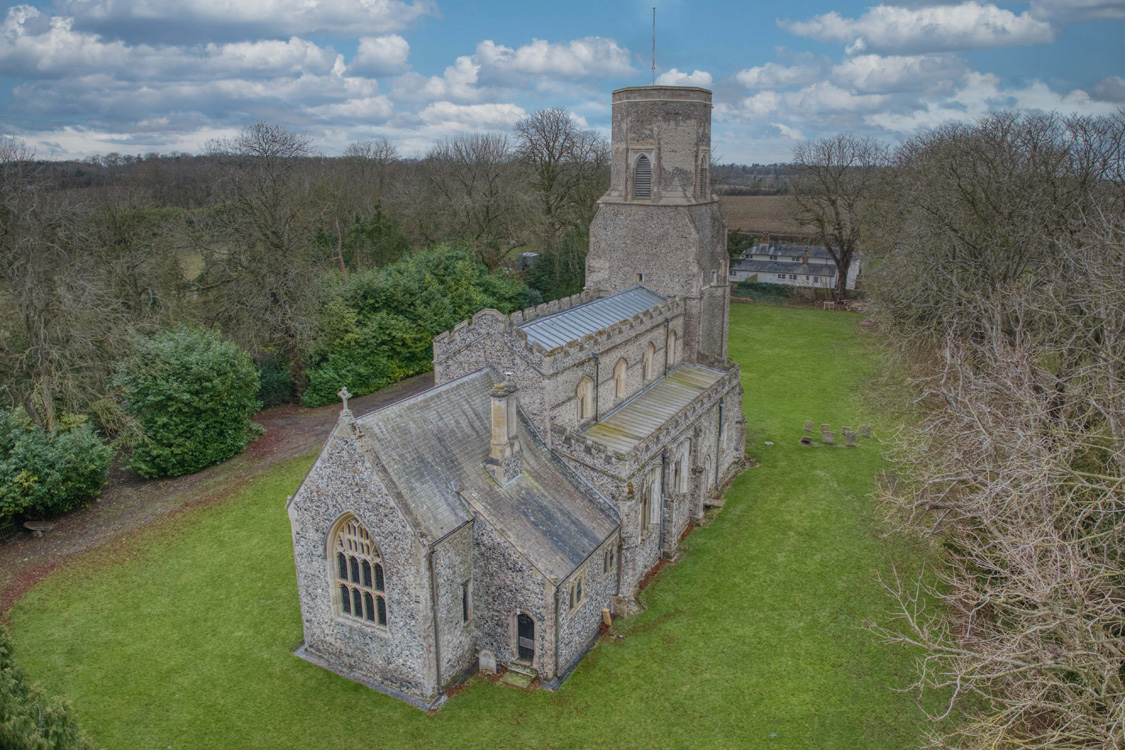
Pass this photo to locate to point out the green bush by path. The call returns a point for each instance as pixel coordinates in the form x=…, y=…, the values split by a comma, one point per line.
x=183, y=635
x=193, y=395
x=43, y=474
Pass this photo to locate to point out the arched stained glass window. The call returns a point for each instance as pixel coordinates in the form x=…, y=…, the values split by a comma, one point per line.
x=361, y=594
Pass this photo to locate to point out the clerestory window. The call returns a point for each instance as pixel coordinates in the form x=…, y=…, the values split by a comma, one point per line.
x=646, y=364
x=620, y=370
x=585, y=398
x=360, y=582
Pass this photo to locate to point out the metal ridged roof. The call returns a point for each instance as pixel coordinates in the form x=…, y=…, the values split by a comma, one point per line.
x=563, y=327
x=650, y=409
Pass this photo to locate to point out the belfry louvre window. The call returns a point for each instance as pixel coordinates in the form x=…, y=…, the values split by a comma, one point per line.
x=642, y=178
x=359, y=575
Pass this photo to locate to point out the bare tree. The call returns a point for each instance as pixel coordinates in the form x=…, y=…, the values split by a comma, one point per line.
x=477, y=183
x=569, y=170
x=261, y=261
x=835, y=181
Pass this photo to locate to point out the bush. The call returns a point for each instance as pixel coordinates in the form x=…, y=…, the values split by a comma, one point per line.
x=763, y=291
x=29, y=719
x=44, y=474
x=275, y=380
x=378, y=326
x=193, y=395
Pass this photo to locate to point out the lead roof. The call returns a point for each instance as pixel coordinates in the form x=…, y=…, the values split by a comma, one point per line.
x=569, y=325
x=629, y=424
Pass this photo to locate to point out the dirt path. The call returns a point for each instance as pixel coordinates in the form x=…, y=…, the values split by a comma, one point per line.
x=129, y=502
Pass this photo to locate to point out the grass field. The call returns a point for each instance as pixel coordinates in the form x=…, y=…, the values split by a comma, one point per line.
x=181, y=636
x=758, y=212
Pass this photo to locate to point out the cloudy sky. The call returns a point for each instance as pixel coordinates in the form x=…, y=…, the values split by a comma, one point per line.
x=79, y=77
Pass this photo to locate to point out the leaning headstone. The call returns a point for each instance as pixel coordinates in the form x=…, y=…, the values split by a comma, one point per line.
x=809, y=426
x=865, y=431
x=806, y=440
x=825, y=427
x=827, y=438
x=849, y=439
x=487, y=661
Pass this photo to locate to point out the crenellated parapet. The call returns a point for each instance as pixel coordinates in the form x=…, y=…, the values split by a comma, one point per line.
x=488, y=324
x=624, y=464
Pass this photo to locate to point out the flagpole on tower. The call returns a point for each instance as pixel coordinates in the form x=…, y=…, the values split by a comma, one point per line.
x=654, y=46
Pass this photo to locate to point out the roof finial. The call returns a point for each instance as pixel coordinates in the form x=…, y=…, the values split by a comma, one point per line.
x=654, y=45
x=344, y=395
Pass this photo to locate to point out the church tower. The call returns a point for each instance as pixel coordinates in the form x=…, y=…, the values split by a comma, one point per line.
x=658, y=224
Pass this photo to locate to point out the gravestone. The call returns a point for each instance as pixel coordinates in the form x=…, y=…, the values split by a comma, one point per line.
x=825, y=427
x=845, y=430
x=827, y=438
x=865, y=430
x=487, y=661
x=849, y=439
x=809, y=426
x=806, y=440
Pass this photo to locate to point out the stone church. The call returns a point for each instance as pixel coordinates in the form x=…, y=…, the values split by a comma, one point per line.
x=498, y=517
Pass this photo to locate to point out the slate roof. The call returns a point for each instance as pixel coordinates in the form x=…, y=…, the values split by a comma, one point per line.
x=790, y=251
x=629, y=424
x=777, y=266
x=433, y=447
x=572, y=324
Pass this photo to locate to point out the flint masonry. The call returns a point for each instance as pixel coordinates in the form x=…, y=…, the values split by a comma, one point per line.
x=560, y=456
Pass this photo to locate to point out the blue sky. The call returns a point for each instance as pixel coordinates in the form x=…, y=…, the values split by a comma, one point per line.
x=79, y=77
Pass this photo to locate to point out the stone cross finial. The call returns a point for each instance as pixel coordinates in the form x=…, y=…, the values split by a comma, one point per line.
x=344, y=395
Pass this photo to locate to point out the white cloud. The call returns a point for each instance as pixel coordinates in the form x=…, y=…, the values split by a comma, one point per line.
x=674, y=77
x=1111, y=89
x=899, y=73
x=788, y=132
x=1077, y=11
x=184, y=20
x=451, y=117
x=887, y=28
x=773, y=74
x=368, y=109
x=380, y=56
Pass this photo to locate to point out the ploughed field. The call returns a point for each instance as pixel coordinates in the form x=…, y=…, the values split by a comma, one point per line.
x=180, y=635
x=758, y=213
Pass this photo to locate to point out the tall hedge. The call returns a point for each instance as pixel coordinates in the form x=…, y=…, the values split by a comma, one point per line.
x=378, y=326
x=29, y=719
x=192, y=394
x=44, y=474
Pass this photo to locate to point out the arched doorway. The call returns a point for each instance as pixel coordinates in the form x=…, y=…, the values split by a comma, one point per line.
x=525, y=638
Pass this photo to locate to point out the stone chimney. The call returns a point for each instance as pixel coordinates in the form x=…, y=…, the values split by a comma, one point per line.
x=504, y=461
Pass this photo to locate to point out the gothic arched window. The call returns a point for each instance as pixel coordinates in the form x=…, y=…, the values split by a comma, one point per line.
x=620, y=370
x=670, y=354
x=360, y=582
x=642, y=178
x=585, y=398
x=646, y=363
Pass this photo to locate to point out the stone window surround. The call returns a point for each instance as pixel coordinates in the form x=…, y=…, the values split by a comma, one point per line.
x=584, y=399
x=576, y=595
x=620, y=375
x=374, y=559
x=634, y=156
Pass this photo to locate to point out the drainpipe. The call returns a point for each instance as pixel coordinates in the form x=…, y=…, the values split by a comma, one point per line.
x=557, y=634
x=718, y=445
x=433, y=609
x=663, y=489
x=597, y=383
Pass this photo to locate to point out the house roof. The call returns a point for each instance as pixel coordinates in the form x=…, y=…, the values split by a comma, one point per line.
x=636, y=419
x=790, y=251
x=433, y=447
x=572, y=324
x=777, y=266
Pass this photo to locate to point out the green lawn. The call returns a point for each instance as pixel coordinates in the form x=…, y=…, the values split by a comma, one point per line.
x=181, y=636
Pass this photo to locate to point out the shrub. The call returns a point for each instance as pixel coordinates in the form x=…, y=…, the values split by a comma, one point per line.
x=44, y=474
x=193, y=395
x=29, y=719
x=275, y=380
x=378, y=326
x=763, y=291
